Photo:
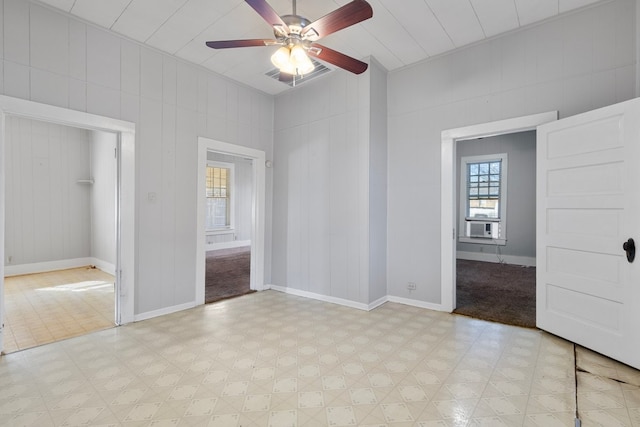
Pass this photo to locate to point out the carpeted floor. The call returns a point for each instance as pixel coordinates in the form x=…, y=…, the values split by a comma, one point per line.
x=227, y=273
x=496, y=292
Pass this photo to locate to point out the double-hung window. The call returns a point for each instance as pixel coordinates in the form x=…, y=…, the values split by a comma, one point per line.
x=483, y=194
x=219, y=208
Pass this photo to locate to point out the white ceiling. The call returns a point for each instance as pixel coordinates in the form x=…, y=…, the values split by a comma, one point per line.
x=400, y=33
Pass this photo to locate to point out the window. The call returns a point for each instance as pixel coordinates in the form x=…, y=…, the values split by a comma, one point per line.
x=483, y=189
x=483, y=196
x=219, y=191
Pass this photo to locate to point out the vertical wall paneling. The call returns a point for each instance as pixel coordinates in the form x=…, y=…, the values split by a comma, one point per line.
x=324, y=157
x=150, y=206
x=167, y=200
x=186, y=182
x=103, y=199
x=16, y=31
x=377, y=245
x=111, y=76
x=48, y=213
x=556, y=65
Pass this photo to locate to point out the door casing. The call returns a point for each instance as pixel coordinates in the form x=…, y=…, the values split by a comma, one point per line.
x=258, y=211
x=125, y=203
x=448, y=202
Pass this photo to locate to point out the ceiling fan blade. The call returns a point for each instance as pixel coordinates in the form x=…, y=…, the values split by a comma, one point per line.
x=338, y=59
x=269, y=15
x=226, y=44
x=343, y=17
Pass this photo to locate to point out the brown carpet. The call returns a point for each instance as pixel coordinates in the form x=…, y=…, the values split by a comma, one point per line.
x=227, y=273
x=496, y=292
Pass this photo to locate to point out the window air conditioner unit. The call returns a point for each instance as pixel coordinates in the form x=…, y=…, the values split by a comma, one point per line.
x=483, y=230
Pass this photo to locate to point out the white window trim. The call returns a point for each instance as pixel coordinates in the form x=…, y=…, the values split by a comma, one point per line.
x=232, y=207
x=502, y=221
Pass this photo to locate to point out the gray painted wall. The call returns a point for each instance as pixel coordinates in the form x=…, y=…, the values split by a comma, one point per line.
x=103, y=196
x=49, y=215
x=378, y=184
x=327, y=161
x=47, y=211
x=575, y=63
x=52, y=58
x=521, y=191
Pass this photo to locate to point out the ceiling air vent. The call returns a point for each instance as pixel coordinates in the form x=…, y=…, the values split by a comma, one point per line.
x=317, y=72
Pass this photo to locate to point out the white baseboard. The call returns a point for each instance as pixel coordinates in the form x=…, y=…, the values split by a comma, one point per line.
x=377, y=303
x=63, y=264
x=319, y=297
x=491, y=257
x=107, y=267
x=353, y=304
x=163, y=311
x=227, y=245
x=415, y=303
x=125, y=320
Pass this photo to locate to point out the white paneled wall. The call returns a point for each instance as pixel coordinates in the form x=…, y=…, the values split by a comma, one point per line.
x=47, y=211
x=322, y=177
x=103, y=199
x=52, y=58
x=378, y=185
x=572, y=64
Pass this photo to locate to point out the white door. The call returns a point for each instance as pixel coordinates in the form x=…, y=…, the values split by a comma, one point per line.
x=588, y=205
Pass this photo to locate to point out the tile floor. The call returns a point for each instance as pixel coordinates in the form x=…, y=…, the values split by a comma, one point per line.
x=271, y=359
x=47, y=307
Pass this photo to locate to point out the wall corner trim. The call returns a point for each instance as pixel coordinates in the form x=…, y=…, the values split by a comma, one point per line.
x=416, y=303
x=357, y=305
x=319, y=297
x=161, y=312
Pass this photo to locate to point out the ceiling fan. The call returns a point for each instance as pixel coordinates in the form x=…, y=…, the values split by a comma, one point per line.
x=297, y=38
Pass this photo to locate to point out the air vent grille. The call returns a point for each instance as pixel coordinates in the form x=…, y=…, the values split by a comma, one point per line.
x=317, y=72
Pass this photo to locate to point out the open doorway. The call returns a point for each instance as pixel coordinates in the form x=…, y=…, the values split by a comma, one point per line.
x=245, y=230
x=60, y=231
x=496, y=218
x=123, y=295
x=228, y=226
x=449, y=190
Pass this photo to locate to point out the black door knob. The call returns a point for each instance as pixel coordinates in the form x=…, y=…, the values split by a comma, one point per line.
x=630, y=248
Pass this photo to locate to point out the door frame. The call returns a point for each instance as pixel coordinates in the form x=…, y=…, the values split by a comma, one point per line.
x=258, y=211
x=125, y=200
x=448, y=180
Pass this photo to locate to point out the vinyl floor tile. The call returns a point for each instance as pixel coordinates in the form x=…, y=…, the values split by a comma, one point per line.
x=271, y=359
x=47, y=307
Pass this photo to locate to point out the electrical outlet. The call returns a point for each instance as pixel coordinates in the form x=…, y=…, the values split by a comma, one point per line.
x=411, y=286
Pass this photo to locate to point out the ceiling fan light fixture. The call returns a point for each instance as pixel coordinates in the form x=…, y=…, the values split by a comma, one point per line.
x=305, y=66
x=292, y=61
x=281, y=58
x=298, y=55
x=300, y=60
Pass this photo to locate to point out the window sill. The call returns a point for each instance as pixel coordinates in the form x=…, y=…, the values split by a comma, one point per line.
x=483, y=241
x=215, y=231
